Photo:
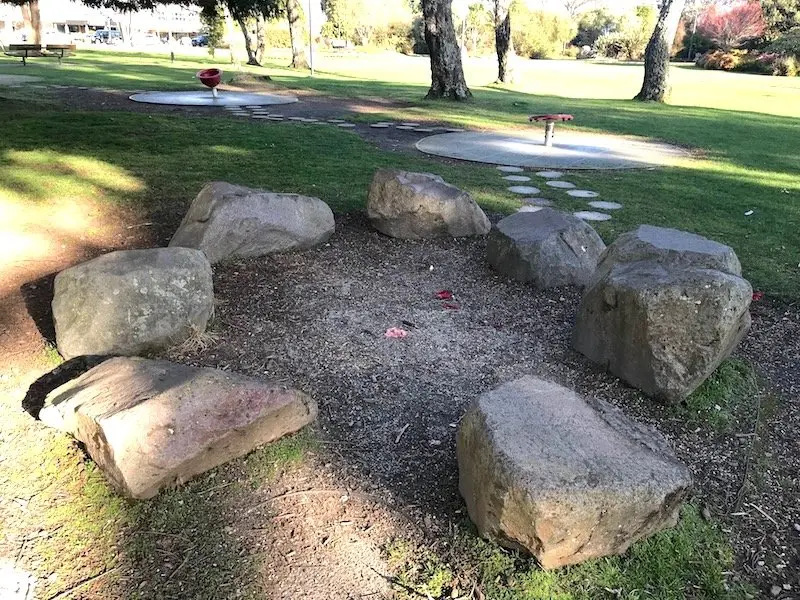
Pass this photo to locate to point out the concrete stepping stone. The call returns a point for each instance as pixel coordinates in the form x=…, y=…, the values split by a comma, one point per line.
x=509, y=169
x=516, y=178
x=260, y=117
x=405, y=128
x=537, y=201
x=424, y=129
x=410, y=124
x=602, y=204
x=275, y=118
x=311, y=120
x=454, y=130
x=346, y=125
x=335, y=120
x=253, y=106
x=297, y=118
x=379, y=125
x=583, y=194
x=563, y=185
x=589, y=215
x=529, y=208
x=523, y=189
x=550, y=174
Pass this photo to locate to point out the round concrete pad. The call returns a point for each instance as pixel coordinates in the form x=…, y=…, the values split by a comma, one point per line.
x=602, y=204
x=523, y=189
x=529, y=208
x=18, y=79
x=583, y=194
x=204, y=98
x=550, y=174
x=563, y=185
x=507, y=169
x=588, y=215
x=569, y=151
x=516, y=178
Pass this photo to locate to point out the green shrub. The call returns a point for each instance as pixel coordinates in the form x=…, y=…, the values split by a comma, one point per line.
x=630, y=39
x=719, y=60
x=540, y=34
x=788, y=44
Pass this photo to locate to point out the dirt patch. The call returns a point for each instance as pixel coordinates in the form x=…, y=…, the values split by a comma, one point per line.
x=390, y=407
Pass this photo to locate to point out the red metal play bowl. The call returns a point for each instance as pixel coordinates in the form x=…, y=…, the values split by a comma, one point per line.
x=210, y=77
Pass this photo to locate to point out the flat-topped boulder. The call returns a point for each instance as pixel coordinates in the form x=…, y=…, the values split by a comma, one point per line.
x=233, y=221
x=671, y=247
x=410, y=205
x=547, y=248
x=132, y=301
x=663, y=310
x=151, y=424
x=563, y=477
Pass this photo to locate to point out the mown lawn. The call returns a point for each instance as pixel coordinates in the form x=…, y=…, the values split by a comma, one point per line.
x=744, y=128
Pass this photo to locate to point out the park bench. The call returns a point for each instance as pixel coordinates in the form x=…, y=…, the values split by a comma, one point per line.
x=26, y=51
x=549, y=124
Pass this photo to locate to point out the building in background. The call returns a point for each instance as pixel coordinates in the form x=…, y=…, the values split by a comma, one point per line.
x=70, y=20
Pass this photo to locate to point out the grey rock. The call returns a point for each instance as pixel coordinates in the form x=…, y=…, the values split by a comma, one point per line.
x=565, y=478
x=670, y=247
x=422, y=205
x=151, y=424
x=547, y=247
x=227, y=221
x=663, y=312
x=131, y=301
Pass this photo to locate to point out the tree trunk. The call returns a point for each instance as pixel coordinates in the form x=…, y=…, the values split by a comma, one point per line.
x=32, y=20
x=656, y=56
x=294, y=13
x=502, y=41
x=260, y=41
x=447, y=74
x=248, y=42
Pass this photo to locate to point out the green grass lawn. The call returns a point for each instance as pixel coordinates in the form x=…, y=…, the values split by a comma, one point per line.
x=745, y=128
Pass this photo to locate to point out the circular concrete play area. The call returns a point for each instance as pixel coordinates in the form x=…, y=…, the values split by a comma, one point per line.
x=569, y=150
x=206, y=98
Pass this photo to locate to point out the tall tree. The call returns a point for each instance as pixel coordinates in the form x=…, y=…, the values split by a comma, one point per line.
x=781, y=16
x=656, y=55
x=294, y=14
x=30, y=17
x=502, y=40
x=447, y=73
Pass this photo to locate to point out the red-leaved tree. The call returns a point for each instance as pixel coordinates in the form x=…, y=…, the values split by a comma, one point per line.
x=731, y=26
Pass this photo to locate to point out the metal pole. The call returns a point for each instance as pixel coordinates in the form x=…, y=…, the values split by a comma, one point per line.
x=310, y=41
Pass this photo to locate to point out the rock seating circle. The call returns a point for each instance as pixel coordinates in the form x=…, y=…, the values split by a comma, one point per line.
x=638, y=484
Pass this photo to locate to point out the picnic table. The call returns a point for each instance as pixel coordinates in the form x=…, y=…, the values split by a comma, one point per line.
x=26, y=51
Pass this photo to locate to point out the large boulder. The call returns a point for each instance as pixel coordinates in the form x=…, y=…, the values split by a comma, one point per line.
x=547, y=247
x=670, y=247
x=227, y=221
x=151, y=424
x=422, y=205
x=562, y=477
x=131, y=301
x=664, y=309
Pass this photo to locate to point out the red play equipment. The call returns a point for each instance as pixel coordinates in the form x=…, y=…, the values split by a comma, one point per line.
x=549, y=124
x=210, y=78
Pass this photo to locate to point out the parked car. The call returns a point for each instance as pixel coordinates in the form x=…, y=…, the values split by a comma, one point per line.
x=200, y=40
x=107, y=36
